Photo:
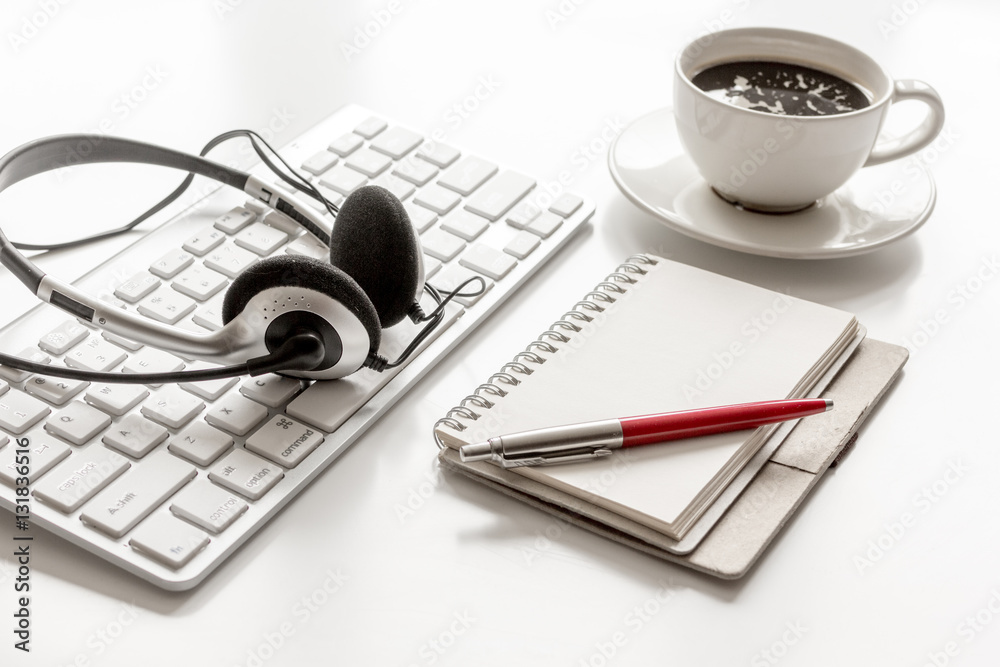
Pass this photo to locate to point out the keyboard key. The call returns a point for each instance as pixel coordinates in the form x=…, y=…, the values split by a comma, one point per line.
x=209, y=390
x=135, y=436
x=199, y=282
x=499, y=195
x=45, y=453
x=151, y=360
x=246, y=474
x=236, y=414
x=281, y=222
x=396, y=142
x=63, y=337
x=136, y=287
x=320, y=162
x=454, y=276
x=54, y=390
x=368, y=162
x=172, y=407
x=522, y=216
x=28, y=354
x=19, y=412
x=417, y=172
x=522, y=244
x=230, y=260
x=431, y=266
x=125, y=343
x=96, y=354
x=234, y=221
x=130, y=498
x=327, y=405
x=77, y=422
x=347, y=144
x=545, y=224
x=421, y=218
x=168, y=540
x=209, y=314
x=397, y=186
x=467, y=174
x=200, y=443
x=261, y=239
x=566, y=205
x=208, y=506
x=437, y=199
x=271, y=390
x=465, y=225
x=284, y=441
x=204, y=241
x=309, y=246
x=440, y=155
x=371, y=127
x=115, y=399
x=171, y=263
x=441, y=245
x=343, y=180
x=75, y=480
x=165, y=305
x=488, y=261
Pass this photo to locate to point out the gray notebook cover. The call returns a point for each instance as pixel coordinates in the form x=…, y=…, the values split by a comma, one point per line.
x=749, y=524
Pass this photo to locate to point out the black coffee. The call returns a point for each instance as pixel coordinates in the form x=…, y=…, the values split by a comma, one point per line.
x=780, y=88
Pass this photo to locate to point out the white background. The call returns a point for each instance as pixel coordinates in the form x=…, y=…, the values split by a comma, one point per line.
x=470, y=577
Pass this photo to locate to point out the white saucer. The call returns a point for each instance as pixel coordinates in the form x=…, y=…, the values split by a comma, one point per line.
x=877, y=206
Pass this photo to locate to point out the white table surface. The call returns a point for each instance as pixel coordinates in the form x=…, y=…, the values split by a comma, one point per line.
x=470, y=577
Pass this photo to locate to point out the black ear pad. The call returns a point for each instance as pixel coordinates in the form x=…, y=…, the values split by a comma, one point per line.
x=299, y=271
x=374, y=242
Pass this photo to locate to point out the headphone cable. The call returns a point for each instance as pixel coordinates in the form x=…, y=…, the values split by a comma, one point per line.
x=379, y=363
x=303, y=351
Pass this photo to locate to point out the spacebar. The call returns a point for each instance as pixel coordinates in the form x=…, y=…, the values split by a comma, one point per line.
x=326, y=405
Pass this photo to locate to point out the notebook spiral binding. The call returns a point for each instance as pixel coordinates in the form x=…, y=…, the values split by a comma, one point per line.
x=604, y=293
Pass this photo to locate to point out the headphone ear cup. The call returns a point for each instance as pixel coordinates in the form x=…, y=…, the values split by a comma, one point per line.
x=307, y=272
x=374, y=242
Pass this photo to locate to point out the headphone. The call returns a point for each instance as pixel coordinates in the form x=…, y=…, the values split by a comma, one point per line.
x=291, y=314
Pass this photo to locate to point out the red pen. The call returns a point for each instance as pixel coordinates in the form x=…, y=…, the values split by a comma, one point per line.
x=579, y=442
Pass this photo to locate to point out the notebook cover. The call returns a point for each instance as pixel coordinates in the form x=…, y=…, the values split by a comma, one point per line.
x=743, y=533
x=639, y=355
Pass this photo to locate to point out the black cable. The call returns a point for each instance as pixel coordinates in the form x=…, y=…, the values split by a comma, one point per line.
x=436, y=316
x=302, y=185
x=302, y=352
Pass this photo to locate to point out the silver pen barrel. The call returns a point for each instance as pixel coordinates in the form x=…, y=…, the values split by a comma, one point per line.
x=552, y=441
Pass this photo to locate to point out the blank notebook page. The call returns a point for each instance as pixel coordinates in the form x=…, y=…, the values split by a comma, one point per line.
x=680, y=338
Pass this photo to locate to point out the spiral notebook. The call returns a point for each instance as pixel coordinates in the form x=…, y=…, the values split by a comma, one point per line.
x=655, y=336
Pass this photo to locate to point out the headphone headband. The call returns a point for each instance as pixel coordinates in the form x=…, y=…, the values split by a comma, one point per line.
x=69, y=150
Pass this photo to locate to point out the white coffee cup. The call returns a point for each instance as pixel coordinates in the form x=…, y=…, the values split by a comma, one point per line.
x=781, y=163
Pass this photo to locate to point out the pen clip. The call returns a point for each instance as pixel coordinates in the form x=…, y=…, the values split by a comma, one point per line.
x=554, y=458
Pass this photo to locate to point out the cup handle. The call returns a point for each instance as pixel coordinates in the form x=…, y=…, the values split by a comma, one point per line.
x=923, y=134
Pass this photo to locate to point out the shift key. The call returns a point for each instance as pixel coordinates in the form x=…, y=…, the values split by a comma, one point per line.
x=130, y=498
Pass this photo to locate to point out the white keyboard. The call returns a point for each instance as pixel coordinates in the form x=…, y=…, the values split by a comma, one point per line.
x=167, y=482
